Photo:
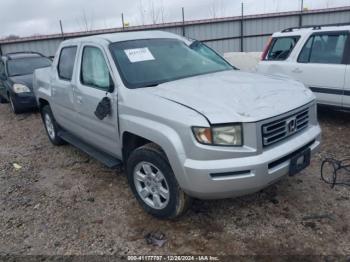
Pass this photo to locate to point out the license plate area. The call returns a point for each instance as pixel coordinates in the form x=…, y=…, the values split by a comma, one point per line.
x=299, y=162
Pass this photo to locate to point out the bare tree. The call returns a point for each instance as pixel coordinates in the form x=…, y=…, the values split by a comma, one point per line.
x=142, y=12
x=213, y=10
x=86, y=22
x=216, y=9
x=328, y=3
x=12, y=37
x=277, y=6
x=162, y=11
x=154, y=12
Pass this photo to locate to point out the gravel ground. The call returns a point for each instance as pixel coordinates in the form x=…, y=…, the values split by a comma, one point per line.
x=62, y=202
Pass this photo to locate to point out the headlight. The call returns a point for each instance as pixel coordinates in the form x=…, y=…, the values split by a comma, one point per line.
x=19, y=88
x=224, y=135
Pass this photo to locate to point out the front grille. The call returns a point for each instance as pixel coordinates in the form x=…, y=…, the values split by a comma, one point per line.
x=280, y=129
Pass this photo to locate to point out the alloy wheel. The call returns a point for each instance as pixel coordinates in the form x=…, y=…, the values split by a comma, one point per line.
x=151, y=185
x=49, y=126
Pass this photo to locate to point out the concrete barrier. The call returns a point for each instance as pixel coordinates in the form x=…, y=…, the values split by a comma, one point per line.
x=245, y=61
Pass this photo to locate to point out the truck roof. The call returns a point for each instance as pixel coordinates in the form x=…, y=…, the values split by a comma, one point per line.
x=124, y=36
x=311, y=29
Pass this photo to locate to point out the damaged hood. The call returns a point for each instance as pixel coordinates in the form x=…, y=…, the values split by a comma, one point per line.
x=234, y=96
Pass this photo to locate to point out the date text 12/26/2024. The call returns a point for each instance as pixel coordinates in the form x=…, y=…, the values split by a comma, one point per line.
x=173, y=258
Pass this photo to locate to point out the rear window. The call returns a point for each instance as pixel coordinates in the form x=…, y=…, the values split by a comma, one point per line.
x=281, y=48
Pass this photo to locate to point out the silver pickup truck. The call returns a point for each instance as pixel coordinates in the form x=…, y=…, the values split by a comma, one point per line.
x=183, y=121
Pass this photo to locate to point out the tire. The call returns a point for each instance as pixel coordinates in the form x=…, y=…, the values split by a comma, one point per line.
x=149, y=162
x=16, y=109
x=51, y=126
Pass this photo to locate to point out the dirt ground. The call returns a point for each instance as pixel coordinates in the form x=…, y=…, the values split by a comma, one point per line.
x=62, y=202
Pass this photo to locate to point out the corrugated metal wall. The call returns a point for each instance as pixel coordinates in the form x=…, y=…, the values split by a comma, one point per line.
x=46, y=47
x=223, y=35
x=327, y=18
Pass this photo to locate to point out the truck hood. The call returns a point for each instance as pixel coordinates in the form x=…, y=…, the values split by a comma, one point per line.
x=234, y=96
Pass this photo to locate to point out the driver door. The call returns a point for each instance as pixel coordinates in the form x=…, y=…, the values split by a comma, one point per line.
x=93, y=85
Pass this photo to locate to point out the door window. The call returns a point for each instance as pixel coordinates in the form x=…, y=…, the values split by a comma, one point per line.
x=324, y=49
x=281, y=47
x=66, y=62
x=94, y=69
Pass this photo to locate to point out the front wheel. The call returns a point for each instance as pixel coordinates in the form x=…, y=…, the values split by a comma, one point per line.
x=16, y=109
x=51, y=126
x=154, y=184
x=3, y=100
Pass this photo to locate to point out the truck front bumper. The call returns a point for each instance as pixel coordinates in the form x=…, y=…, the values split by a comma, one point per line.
x=227, y=178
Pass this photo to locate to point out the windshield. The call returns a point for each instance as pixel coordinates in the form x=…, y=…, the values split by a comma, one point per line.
x=26, y=66
x=150, y=62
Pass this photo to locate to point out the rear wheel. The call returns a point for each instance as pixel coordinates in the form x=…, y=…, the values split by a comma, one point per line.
x=51, y=126
x=154, y=184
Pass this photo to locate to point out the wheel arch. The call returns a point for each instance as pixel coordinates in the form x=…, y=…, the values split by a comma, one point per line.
x=142, y=131
x=42, y=102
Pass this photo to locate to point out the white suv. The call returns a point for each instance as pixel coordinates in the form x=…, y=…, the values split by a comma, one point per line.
x=318, y=56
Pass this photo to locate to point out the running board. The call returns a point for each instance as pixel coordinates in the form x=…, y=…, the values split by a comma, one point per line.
x=104, y=158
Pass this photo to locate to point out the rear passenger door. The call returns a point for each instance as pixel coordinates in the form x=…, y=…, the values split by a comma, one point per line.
x=62, y=85
x=321, y=66
x=93, y=84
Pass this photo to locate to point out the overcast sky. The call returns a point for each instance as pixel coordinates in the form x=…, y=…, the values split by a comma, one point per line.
x=29, y=17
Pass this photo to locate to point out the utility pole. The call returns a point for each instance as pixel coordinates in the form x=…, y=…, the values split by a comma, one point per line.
x=183, y=22
x=242, y=28
x=123, y=21
x=301, y=13
x=61, y=26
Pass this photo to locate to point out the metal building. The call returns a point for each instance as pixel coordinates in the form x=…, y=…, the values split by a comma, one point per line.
x=230, y=34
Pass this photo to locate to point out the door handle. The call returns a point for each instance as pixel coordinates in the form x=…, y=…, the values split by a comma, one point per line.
x=79, y=99
x=297, y=70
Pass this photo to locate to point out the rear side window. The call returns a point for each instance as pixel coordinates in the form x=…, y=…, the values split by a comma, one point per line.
x=281, y=48
x=66, y=62
x=324, y=49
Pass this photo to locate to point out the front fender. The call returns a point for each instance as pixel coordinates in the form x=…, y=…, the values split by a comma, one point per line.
x=164, y=136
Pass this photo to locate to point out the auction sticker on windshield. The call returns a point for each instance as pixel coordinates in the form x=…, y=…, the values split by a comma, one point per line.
x=139, y=55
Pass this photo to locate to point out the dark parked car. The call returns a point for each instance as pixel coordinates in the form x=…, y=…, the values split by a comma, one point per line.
x=16, y=79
